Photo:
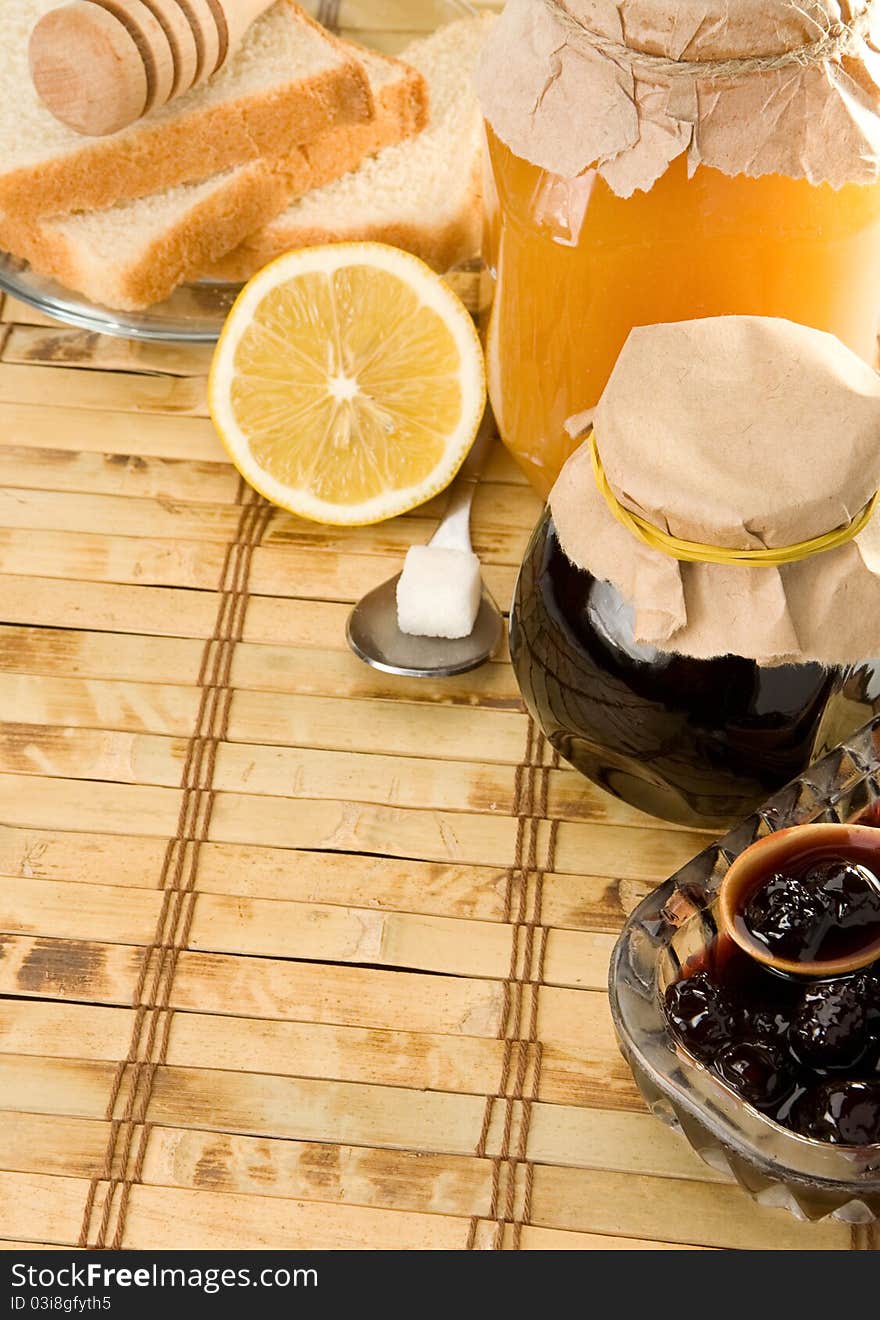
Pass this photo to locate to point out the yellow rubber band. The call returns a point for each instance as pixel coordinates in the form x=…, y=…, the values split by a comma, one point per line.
x=695, y=552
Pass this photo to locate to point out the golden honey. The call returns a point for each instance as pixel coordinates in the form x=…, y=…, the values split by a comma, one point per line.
x=575, y=267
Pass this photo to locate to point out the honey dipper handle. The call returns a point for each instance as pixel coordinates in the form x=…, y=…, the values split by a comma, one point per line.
x=99, y=65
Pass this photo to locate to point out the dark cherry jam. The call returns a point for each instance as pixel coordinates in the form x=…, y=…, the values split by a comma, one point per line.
x=806, y=1053
x=700, y=742
x=820, y=907
x=803, y=1050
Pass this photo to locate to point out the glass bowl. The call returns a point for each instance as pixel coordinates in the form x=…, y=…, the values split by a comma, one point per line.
x=812, y=1179
x=195, y=313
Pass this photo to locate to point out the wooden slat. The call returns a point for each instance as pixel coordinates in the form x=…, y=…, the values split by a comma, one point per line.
x=259, y=872
x=83, y=557
x=329, y=994
x=248, y=1223
x=168, y=480
x=66, y=346
x=135, y=560
x=42, y=1208
x=492, y=541
x=52, y=1029
x=178, y=1219
x=356, y=725
x=551, y=1239
x=590, y=1072
x=53, y=1144
x=101, y=431
x=303, y=773
x=573, y=1025
x=531, y=1239
x=175, y=612
x=42, y=802
x=116, y=391
x=22, y=313
x=434, y=1182
x=34, y=426
x=67, y=496
x=699, y=1213
x=312, y=931
x=53, y=1246
x=162, y=613
x=292, y=571
x=49, y=510
x=326, y=1111
x=47, y=1208
x=254, y=987
x=172, y=486
x=503, y=506
x=581, y=902
x=317, y=666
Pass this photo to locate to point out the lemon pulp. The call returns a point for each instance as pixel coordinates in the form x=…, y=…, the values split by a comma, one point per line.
x=353, y=385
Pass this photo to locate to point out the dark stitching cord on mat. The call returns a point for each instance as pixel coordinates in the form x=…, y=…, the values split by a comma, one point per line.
x=152, y=994
x=530, y=804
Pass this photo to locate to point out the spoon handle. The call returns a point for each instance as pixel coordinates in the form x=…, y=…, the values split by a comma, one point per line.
x=454, y=531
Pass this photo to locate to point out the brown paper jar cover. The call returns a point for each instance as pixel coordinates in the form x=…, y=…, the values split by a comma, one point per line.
x=566, y=106
x=736, y=432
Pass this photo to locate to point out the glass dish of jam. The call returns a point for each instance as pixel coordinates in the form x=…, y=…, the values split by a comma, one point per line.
x=775, y=1078
x=698, y=742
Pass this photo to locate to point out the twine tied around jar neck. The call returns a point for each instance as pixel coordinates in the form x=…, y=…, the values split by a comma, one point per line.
x=836, y=41
x=697, y=552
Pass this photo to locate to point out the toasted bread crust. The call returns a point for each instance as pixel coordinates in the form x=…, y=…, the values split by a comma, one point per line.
x=403, y=110
x=180, y=253
x=195, y=243
x=441, y=244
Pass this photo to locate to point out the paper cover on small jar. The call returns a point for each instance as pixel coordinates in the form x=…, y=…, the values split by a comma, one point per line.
x=740, y=433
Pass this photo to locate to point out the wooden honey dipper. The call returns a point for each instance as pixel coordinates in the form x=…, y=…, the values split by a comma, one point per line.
x=100, y=65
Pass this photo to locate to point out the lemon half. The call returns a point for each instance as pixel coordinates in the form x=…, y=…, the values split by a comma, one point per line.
x=348, y=384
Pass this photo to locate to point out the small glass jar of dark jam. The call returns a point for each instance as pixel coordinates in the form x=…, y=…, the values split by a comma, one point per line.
x=774, y=1078
x=698, y=742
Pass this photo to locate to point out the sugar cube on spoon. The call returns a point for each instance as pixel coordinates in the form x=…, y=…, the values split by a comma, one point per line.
x=439, y=592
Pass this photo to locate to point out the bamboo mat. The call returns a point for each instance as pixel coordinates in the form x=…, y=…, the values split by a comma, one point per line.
x=293, y=954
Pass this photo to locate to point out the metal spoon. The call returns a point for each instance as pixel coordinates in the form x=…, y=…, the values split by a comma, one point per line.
x=372, y=630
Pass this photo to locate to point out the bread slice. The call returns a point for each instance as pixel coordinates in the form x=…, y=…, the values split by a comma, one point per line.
x=288, y=82
x=424, y=195
x=134, y=255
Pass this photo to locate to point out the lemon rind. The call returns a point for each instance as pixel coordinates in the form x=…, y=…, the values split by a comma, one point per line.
x=435, y=294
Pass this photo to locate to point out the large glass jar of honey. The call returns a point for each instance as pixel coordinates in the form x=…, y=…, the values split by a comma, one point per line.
x=645, y=166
